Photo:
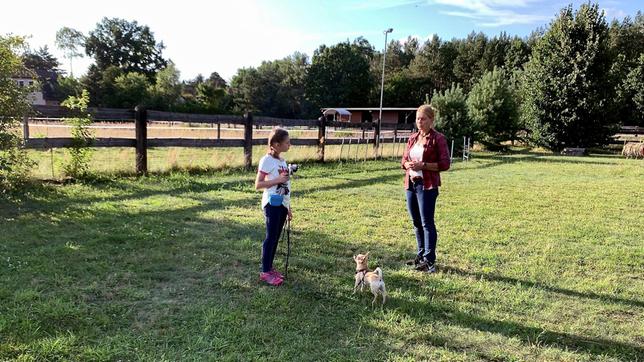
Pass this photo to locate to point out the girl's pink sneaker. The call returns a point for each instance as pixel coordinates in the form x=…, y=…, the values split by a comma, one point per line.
x=276, y=273
x=270, y=278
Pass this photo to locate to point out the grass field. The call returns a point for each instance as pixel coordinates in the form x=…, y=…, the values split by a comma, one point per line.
x=540, y=258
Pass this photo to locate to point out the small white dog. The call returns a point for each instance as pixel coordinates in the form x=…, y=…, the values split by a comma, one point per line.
x=372, y=278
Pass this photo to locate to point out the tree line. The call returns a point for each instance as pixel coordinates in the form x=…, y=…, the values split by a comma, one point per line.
x=569, y=84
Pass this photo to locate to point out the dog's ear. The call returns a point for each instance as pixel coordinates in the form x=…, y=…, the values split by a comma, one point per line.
x=366, y=255
x=355, y=258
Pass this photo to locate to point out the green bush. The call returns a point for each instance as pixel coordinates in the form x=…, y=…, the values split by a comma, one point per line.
x=14, y=163
x=78, y=165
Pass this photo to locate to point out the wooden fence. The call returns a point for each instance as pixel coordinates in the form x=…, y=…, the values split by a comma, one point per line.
x=141, y=142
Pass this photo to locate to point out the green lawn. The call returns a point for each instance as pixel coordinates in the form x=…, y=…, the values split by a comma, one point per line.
x=540, y=258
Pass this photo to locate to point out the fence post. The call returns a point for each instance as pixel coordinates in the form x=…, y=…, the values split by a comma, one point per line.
x=25, y=129
x=321, y=138
x=141, y=132
x=376, y=138
x=248, y=141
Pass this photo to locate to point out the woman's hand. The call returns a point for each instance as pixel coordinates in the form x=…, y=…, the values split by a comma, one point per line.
x=416, y=165
x=408, y=164
x=289, y=216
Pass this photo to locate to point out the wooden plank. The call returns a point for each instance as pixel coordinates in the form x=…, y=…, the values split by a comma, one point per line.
x=62, y=142
x=96, y=113
x=194, y=142
x=194, y=117
x=59, y=142
x=271, y=121
x=363, y=125
x=636, y=130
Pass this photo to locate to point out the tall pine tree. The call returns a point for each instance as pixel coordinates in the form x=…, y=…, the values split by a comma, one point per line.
x=567, y=86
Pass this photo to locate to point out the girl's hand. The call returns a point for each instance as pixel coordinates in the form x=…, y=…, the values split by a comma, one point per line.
x=408, y=164
x=283, y=178
x=289, y=216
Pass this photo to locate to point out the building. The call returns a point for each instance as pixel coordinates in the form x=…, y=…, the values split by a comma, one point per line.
x=35, y=97
x=390, y=115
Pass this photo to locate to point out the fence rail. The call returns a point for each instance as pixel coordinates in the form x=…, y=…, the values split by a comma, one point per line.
x=141, y=117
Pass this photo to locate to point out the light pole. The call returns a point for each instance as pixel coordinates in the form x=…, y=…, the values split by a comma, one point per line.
x=382, y=86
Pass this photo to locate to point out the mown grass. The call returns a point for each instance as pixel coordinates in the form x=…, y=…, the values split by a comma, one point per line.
x=540, y=258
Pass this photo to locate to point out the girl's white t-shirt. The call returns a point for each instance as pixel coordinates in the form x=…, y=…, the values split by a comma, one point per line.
x=272, y=167
x=416, y=154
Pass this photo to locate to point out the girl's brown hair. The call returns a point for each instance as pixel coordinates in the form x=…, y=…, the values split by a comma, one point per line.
x=278, y=135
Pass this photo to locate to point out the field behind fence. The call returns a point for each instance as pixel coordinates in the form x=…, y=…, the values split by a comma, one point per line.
x=146, y=130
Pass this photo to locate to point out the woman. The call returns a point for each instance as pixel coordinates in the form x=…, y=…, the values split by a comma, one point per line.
x=426, y=155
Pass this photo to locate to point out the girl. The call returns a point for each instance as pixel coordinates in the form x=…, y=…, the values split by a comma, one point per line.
x=272, y=176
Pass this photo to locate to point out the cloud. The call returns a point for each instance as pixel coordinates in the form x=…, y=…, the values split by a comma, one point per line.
x=381, y=4
x=492, y=13
x=613, y=13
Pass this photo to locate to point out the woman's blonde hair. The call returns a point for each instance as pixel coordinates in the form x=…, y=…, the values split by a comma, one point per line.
x=278, y=135
x=428, y=110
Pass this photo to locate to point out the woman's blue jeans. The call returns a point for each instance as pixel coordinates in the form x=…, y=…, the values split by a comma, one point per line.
x=275, y=218
x=421, y=205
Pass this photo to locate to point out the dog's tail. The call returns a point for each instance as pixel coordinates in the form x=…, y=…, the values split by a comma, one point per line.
x=379, y=272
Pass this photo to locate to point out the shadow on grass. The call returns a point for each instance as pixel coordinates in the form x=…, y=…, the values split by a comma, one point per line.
x=437, y=309
x=568, y=292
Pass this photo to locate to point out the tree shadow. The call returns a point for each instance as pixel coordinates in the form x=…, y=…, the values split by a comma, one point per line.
x=437, y=309
x=531, y=284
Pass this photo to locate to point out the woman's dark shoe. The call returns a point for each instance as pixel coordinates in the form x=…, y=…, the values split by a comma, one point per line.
x=426, y=267
x=415, y=261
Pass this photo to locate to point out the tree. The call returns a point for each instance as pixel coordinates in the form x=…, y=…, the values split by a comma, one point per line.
x=126, y=45
x=130, y=90
x=517, y=54
x=626, y=40
x=631, y=92
x=492, y=107
x=275, y=88
x=566, y=86
x=434, y=63
x=211, y=95
x=14, y=103
x=339, y=76
x=68, y=86
x=469, y=64
x=69, y=41
x=165, y=93
x=452, y=118
x=45, y=66
x=405, y=89
x=100, y=84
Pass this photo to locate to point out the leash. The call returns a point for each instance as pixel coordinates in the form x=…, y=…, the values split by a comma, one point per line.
x=287, y=232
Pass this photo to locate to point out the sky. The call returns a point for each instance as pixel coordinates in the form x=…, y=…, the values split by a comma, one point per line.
x=202, y=37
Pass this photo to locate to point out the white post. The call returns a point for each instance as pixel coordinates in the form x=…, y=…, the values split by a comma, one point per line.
x=451, y=154
x=382, y=86
x=464, y=147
